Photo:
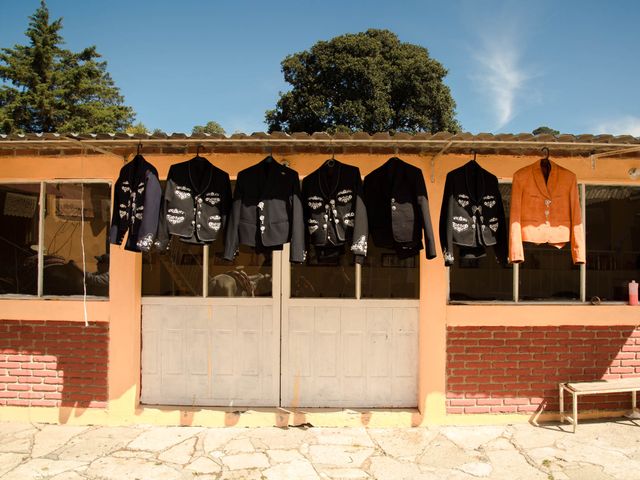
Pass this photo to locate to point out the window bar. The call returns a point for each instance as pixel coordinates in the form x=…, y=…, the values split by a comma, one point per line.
x=583, y=267
x=358, y=281
x=41, y=212
x=205, y=271
x=516, y=282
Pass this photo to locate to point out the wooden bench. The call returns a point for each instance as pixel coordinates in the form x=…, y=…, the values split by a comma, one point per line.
x=576, y=389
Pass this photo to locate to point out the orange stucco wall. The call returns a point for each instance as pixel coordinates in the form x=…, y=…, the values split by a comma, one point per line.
x=122, y=310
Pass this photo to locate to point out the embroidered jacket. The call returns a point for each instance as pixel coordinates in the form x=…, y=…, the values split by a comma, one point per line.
x=196, y=202
x=266, y=211
x=545, y=212
x=398, y=208
x=472, y=214
x=136, y=203
x=334, y=210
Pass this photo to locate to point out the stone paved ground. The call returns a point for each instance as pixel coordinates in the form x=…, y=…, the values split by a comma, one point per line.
x=598, y=451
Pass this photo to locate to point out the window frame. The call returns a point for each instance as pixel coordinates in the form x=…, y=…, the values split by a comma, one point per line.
x=582, y=188
x=41, y=221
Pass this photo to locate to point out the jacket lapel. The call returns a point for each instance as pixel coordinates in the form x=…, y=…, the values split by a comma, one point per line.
x=269, y=170
x=539, y=178
x=553, y=178
x=394, y=174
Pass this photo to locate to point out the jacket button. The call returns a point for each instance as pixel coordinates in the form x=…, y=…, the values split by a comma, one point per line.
x=199, y=226
x=199, y=200
x=332, y=201
x=261, y=205
x=262, y=218
x=263, y=228
x=337, y=221
x=393, y=200
x=393, y=207
x=546, y=212
x=324, y=226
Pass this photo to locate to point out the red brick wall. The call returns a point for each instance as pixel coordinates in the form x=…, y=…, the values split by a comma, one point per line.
x=517, y=369
x=51, y=364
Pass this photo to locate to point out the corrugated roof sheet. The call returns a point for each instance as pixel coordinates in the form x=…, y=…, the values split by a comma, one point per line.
x=463, y=142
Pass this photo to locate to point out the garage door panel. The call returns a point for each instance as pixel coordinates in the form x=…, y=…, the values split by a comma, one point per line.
x=210, y=354
x=347, y=356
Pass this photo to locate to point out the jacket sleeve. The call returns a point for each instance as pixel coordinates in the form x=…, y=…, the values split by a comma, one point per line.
x=361, y=226
x=116, y=232
x=423, y=201
x=502, y=246
x=296, y=252
x=578, y=250
x=151, y=213
x=516, y=250
x=231, y=235
x=445, y=228
x=163, y=237
x=227, y=200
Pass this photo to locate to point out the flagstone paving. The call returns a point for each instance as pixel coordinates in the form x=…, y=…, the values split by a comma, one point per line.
x=600, y=450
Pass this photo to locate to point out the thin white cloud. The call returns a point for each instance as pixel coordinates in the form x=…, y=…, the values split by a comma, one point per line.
x=625, y=125
x=500, y=74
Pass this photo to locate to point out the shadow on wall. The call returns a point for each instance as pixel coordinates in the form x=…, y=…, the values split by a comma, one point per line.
x=54, y=364
x=517, y=369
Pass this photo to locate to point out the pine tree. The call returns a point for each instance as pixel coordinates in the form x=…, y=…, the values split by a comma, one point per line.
x=50, y=89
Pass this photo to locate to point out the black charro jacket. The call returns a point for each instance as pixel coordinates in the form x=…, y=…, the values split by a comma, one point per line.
x=472, y=214
x=398, y=208
x=334, y=211
x=136, y=203
x=266, y=211
x=196, y=203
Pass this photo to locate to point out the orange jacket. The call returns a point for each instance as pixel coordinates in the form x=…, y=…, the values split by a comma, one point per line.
x=545, y=212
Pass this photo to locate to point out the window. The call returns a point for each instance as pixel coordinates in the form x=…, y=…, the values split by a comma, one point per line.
x=333, y=276
x=482, y=278
x=385, y=275
x=43, y=241
x=613, y=241
x=180, y=271
x=612, y=229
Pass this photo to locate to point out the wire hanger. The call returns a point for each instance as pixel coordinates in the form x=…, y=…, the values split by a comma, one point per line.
x=198, y=150
x=332, y=161
x=545, y=165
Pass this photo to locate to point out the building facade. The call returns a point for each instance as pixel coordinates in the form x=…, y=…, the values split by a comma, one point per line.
x=185, y=338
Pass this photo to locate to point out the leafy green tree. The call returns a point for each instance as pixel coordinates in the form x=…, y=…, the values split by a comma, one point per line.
x=543, y=129
x=45, y=88
x=137, y=128
x=211, y=128
x=368, y=81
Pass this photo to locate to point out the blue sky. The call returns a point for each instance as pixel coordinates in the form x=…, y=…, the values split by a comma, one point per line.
x=513, y=65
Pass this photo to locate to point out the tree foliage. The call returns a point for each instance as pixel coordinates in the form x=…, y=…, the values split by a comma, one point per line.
x=137, y=129
x=45, y=88
x=544, y=129
x=368, y=81
x=211, y=128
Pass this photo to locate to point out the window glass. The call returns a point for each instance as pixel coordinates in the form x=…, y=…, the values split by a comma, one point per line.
x=249, y=275
x=385, y=275
x=325, y=274
x=19, y=238
x=548, y=273
x=482, y=278
x=70, y=209
x=174, y=273
x=613, y=240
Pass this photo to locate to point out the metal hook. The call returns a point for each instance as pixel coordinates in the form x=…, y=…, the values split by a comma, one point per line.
x=139, y=148
x=546, y=150
x=475, y=155
x=198, y=147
